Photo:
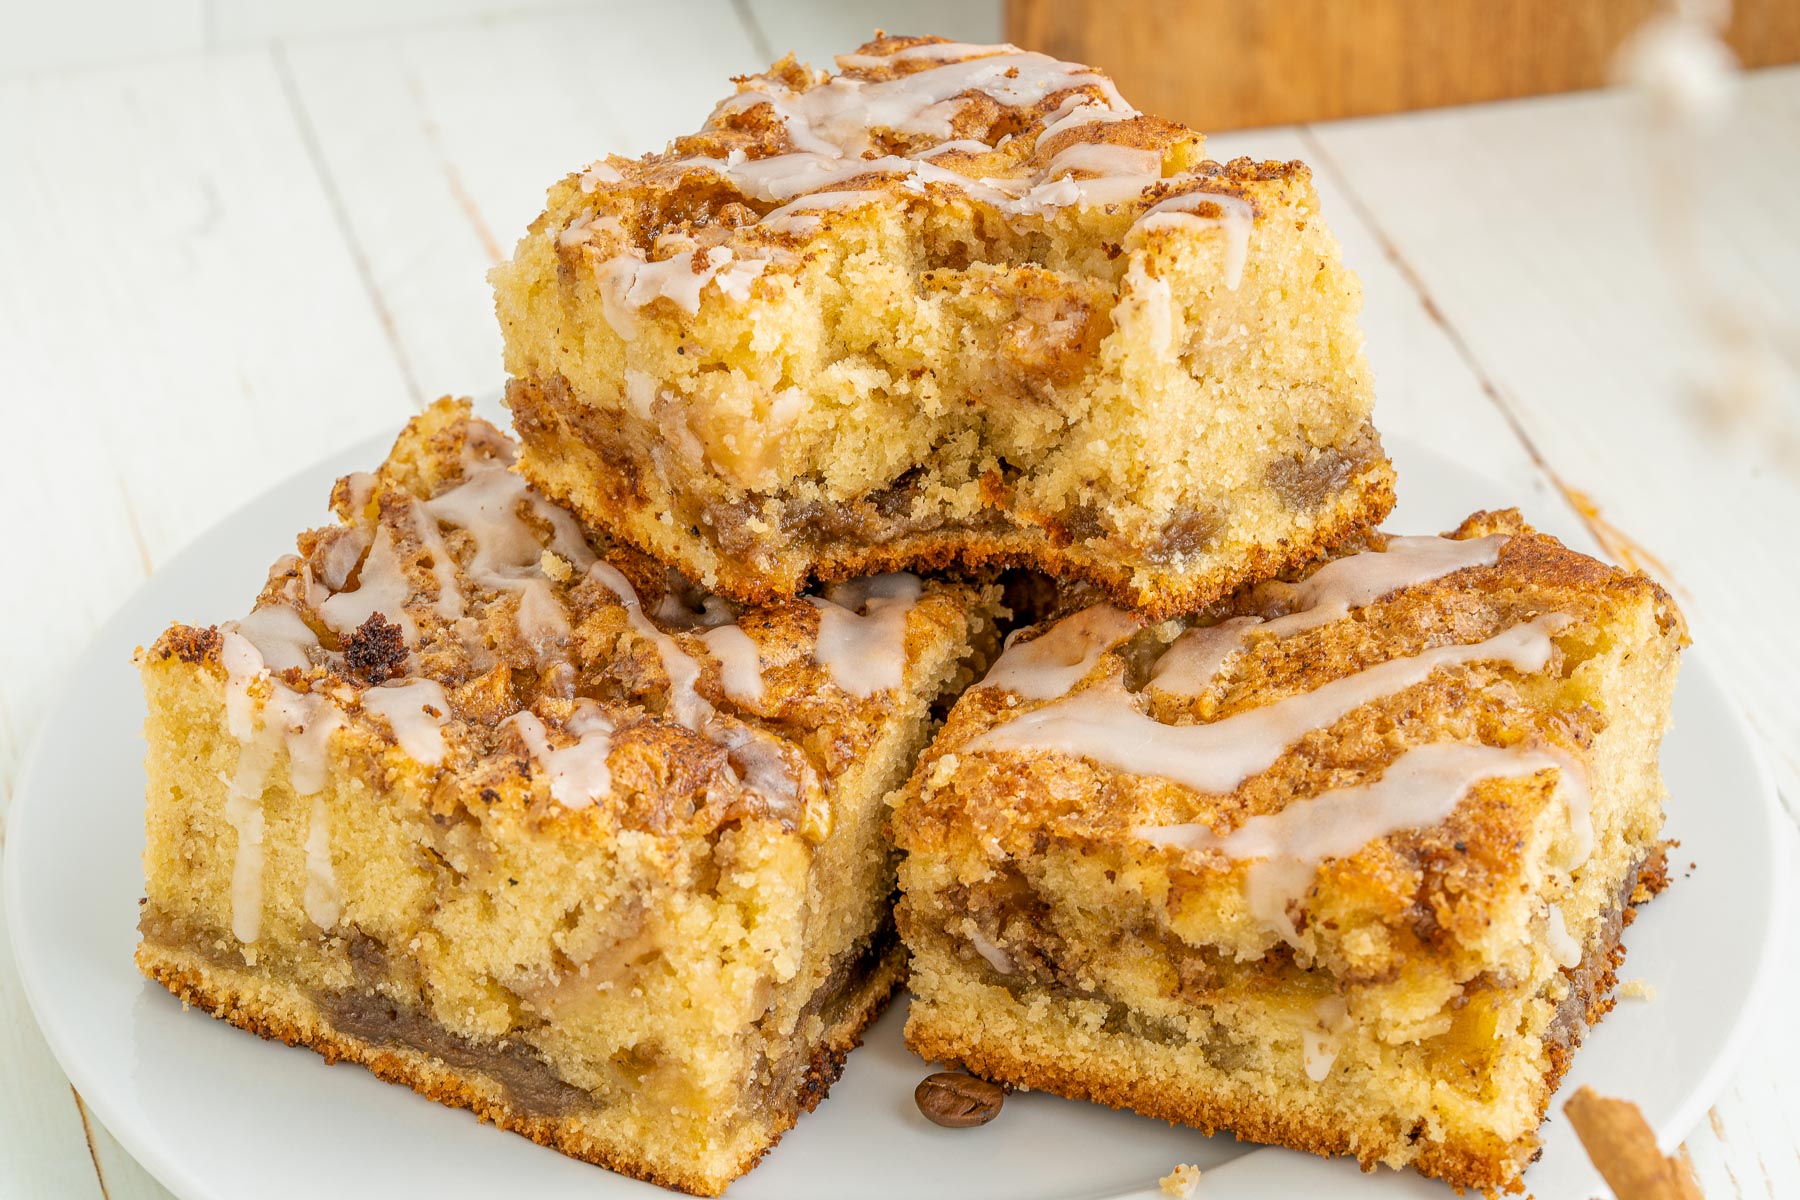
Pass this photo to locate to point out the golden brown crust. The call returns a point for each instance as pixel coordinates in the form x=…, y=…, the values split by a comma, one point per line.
x=1491, y=1170
x=232, y=996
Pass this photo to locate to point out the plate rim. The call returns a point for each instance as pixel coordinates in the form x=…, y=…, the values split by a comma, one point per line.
x=162, y=1164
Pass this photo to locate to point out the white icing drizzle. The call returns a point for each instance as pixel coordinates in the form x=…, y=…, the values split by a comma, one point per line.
x=1356, y=580
x=341, y=557
x=1059, y=658
x=578, y=773
x=830, y=128
x=837, y=117
x=598, y=173
x=971, y=145
x=1103, y=723
x=320, y=898
x=381, y=587
x=628, y=282
x=1193, y=661
x=305, y=723
x=687, y=706
x=449, y=603
x=801, y=215
x=507, y=549
x=1108, y=158
x=246, y=817
x=1327, y=595
x=1077, y=111
x=243, y=801
x=1236, y=216
x=740, y=664
x=1323, y=1040
x=1420, y=788
x=865, y=652
x=1145, y=301
x=996, y=957
x=1573, y=784
x=760, y=763
x=542, y=621
x=1564, y=950
x=416, y=711
x=242, y=665
x=300, y=722
x=359, y=490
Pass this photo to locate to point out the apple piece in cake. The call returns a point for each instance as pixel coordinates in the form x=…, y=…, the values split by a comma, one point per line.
x=956, y=303
x=1341, y=865
x=526, y=824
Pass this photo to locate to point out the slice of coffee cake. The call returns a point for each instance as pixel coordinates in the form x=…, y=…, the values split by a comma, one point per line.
x=955, y=303
x=1341, y=866
x=534, y=828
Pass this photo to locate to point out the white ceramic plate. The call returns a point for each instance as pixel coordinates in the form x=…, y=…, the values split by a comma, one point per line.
x=217, y=1114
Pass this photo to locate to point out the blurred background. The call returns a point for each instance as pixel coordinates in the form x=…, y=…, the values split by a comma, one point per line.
x=238, y=236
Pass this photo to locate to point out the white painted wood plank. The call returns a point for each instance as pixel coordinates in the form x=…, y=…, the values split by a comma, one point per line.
x=441, y=171
x=121, y=1177
x=1425, y=388
x=1749, y=1143
x=43, y=1149
x=182, y=326
x=56, y=37
x=815, y=32
x=427, y=250
x=1529, y=227
x=250, y=24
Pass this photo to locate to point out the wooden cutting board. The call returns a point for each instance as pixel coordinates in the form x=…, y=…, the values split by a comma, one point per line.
x=1231, y=64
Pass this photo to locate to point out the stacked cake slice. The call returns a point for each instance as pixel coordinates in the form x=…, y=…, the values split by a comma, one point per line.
x=518, y=819
x=1341, y=865
x=957, y=305
x=549, y=789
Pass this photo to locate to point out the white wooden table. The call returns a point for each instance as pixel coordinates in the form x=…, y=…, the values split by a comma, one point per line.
x=240, y=244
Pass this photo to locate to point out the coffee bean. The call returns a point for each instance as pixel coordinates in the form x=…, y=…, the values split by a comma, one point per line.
x=957, y=1101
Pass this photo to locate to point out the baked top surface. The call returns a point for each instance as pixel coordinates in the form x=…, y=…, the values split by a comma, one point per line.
x=1099, y=738
x=1016, y=142
x=456, y=618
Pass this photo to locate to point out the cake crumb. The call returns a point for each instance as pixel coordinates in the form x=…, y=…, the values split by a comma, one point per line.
x=556, y=567
x=1637, y=989
x=942, y=771
x=1181, y=1182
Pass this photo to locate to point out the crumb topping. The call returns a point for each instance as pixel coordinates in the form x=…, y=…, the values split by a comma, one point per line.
x=460, y=615
x=376, y=651
x=1395, y=721
x=907, y=121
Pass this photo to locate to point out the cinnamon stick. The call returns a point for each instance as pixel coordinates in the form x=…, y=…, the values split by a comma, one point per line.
x=1623, y=1149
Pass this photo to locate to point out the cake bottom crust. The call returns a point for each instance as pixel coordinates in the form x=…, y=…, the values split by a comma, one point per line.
x=1590, y=997
x=284, y=1013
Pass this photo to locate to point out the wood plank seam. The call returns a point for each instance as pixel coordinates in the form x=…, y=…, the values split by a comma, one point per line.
x=87, y=1131
x=137, y=530
x=1610, y=537
x=753, y=30
x=453, y=179
x=1604, y=533
x=309, y=137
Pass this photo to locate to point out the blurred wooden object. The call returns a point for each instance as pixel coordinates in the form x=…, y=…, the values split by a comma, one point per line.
x=1231, y=64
